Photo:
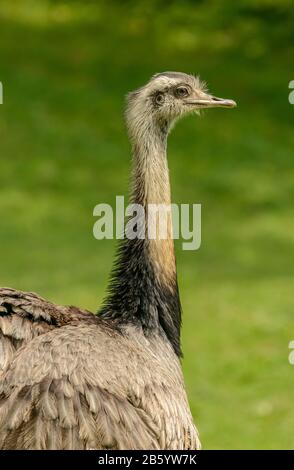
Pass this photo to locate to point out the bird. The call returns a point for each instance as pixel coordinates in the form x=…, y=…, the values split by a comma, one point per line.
x=71, y=379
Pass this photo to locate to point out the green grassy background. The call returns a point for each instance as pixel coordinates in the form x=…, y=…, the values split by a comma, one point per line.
x=66, y=67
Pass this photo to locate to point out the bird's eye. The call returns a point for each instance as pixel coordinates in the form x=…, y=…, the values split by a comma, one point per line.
x=159, y=98
x=181, y=92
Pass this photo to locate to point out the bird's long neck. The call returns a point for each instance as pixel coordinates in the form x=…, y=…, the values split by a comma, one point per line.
x=151, y=190
x=144, y=284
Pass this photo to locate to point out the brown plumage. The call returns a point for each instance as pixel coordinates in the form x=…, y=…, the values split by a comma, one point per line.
x=70, y=379
x=75, y=381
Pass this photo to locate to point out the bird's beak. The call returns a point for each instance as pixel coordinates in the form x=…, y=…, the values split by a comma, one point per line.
x=209, y=101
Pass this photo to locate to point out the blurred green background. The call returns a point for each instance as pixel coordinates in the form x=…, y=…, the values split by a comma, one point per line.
x=65, y=68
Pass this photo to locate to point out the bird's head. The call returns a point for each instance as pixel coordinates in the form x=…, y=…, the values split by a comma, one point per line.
x=167, y=97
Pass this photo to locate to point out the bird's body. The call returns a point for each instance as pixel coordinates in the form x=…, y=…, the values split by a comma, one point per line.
x=54, y=397
x=70, y=379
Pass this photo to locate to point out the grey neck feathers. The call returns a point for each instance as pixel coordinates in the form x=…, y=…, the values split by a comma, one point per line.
x=143, y=287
